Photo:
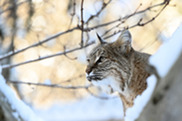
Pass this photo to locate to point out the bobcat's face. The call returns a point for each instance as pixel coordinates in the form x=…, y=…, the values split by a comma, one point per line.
x=105, y=59
x=98, y=64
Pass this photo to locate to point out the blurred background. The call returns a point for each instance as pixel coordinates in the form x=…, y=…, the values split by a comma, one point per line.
x=25, y=22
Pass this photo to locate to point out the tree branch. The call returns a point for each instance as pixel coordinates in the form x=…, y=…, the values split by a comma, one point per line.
x=121, y=20
x=45, y=57
x=104, y=5
x=36, y=44
x=50, y=85
x=82, y=23
x=139, y=23
x=73, y=13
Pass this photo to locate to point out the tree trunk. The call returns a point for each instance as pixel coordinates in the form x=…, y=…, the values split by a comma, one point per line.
x=7, y=109
x=166, y=101
x=12, y=108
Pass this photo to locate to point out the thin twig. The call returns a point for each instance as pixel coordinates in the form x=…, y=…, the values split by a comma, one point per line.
x=82, y=23
x=166, y=2
x=99, y=12
x=100, y=25
x=73, y=13
x=124, y=18
x=142, y=24
x=67, y=55
x=45, y=57
x=106, y=32
x=36, y=44
x=142, y=11
x=139, y=23
x=72, y=79
x=49, y=85
x=122, y=21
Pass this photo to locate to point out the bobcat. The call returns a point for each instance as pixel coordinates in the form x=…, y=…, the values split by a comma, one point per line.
x=119, y=62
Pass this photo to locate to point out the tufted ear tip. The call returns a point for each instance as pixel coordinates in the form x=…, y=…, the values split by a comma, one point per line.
x=123, y=43
x=100, y=39
x=125, y=37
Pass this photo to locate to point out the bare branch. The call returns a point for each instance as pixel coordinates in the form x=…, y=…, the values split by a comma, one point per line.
x=147, y=9
x=115, y=26
x=67, y=55
x=36, y=44
x=72, y=79
x=45, y=57
x=99, y=12
x=166, y=2
x=139, y=23
x=73, y=13
x=122, y=20
x=142, y=24
x=100, y=25
x=49, y=85
x=82, y=23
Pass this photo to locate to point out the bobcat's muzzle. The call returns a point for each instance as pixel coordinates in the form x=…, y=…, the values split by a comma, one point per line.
x=88, y=70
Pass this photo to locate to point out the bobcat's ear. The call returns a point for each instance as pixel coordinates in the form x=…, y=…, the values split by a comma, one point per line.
x=124, y=41
x=124, y=38
x=100, y=39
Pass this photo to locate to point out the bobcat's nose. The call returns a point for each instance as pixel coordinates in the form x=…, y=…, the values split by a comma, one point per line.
x=88, y=70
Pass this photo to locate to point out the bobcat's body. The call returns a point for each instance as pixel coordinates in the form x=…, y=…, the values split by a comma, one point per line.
x=121, y=62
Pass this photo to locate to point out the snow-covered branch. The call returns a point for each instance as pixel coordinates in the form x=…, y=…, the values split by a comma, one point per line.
x=14, y=108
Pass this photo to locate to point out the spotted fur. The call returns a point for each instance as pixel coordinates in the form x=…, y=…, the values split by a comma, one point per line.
x=121, y=62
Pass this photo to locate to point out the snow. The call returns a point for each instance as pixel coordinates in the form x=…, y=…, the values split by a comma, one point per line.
x=139, y=103
x=168, y=53
x=90, y=108
x=20, y=109
x=106, y=83
x=93, y=109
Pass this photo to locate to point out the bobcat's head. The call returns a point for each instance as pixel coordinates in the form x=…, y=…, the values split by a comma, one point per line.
x=110, y=59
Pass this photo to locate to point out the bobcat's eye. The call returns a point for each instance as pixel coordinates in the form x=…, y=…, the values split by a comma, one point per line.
x=99, y=60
